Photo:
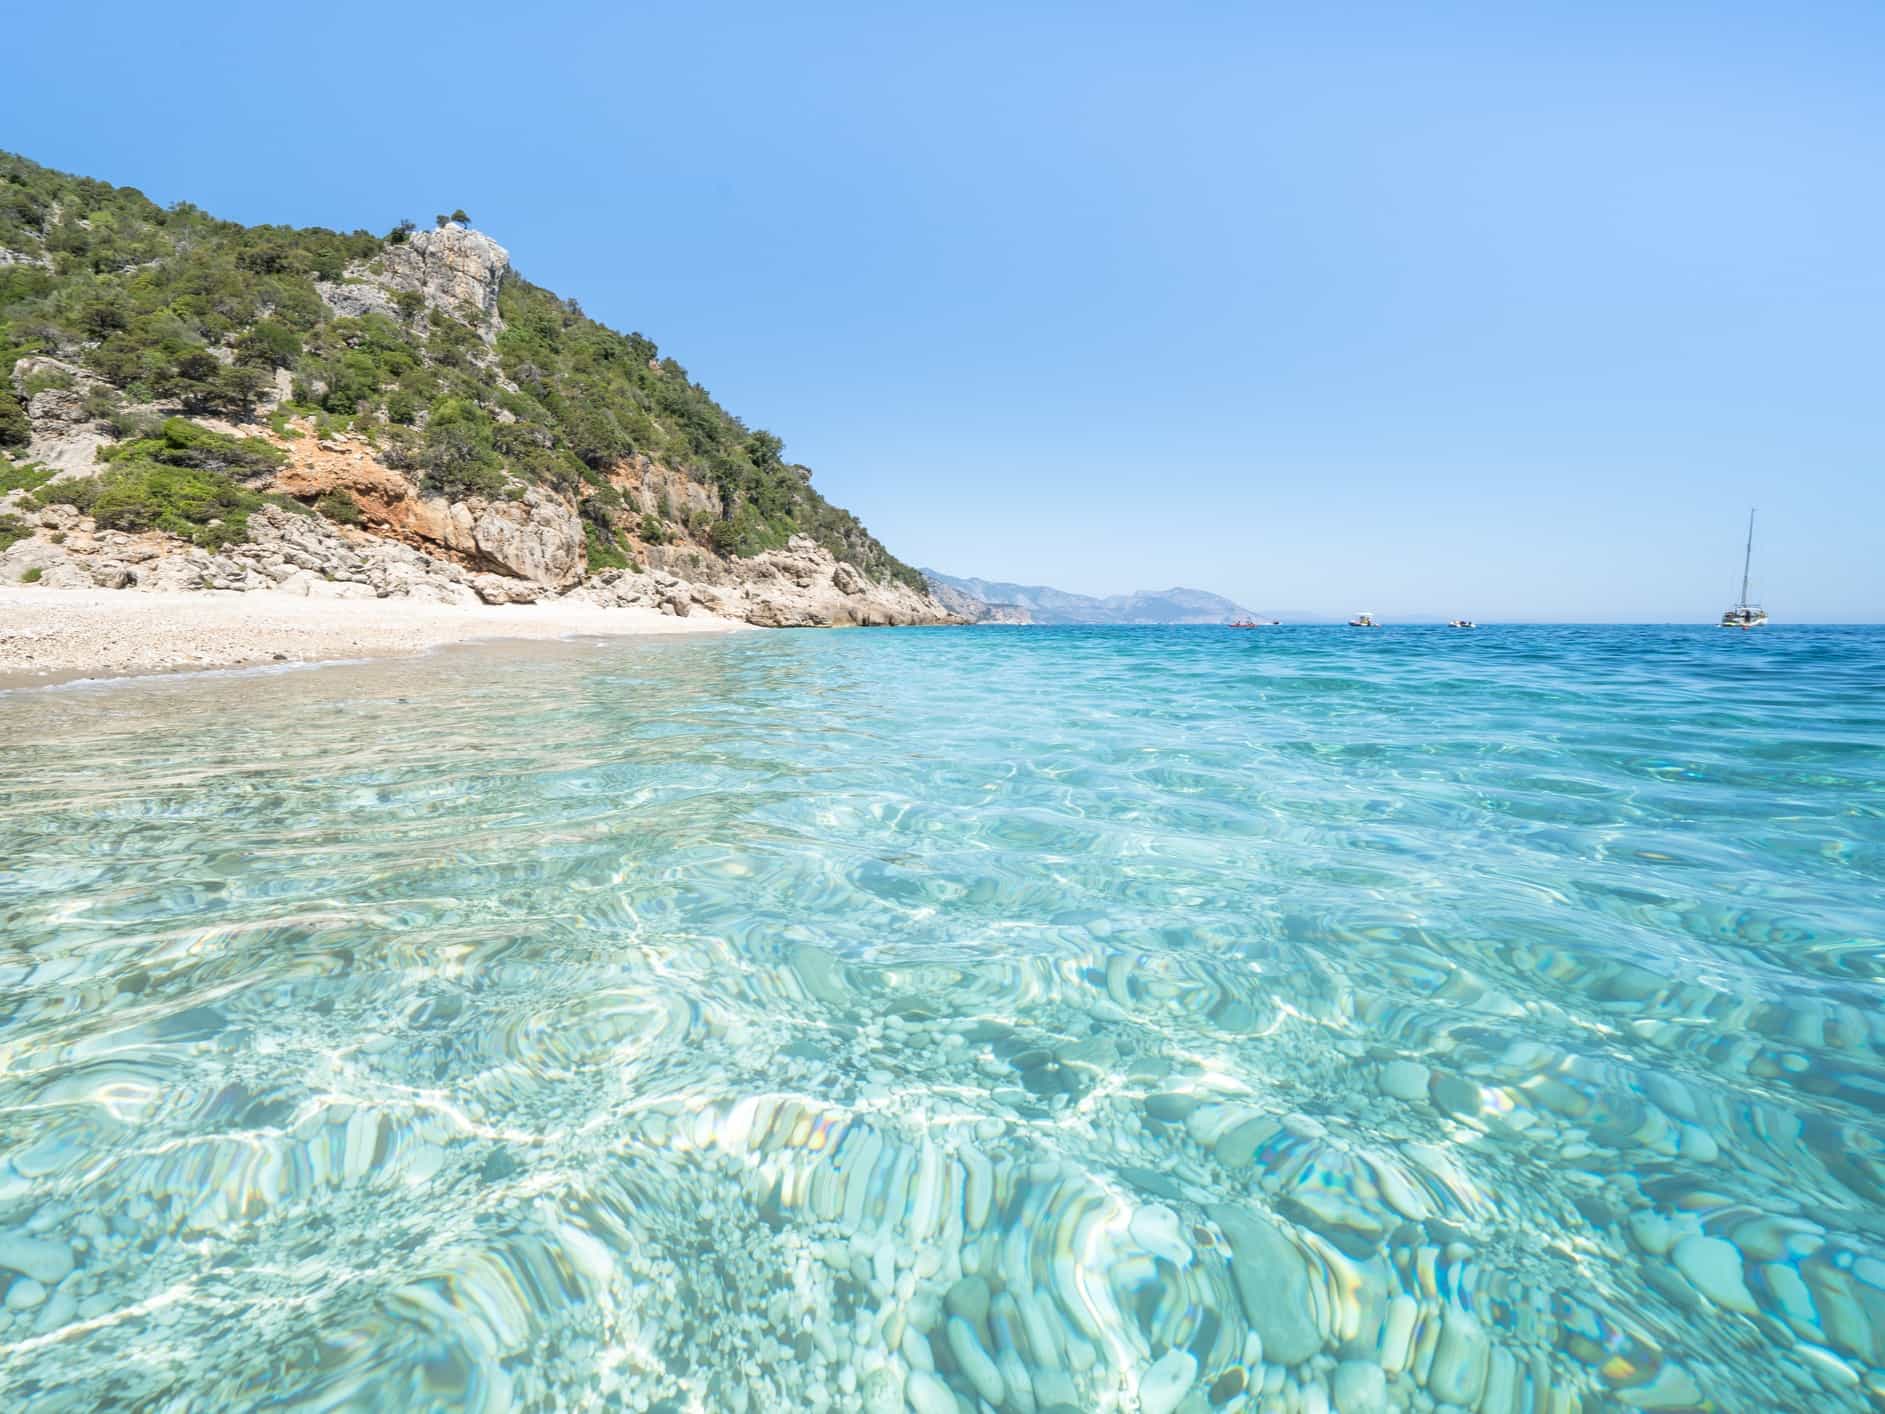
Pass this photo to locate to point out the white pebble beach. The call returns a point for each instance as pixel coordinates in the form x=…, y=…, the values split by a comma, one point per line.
x=58, y=635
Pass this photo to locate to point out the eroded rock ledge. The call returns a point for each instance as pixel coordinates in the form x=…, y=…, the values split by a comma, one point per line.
x=391, y=539
x=802, y=585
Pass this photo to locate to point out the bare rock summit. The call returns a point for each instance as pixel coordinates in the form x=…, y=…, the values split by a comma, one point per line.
x=450, y=267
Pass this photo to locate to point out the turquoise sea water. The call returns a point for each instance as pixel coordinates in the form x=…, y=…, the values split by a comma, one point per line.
x=1027, y=1019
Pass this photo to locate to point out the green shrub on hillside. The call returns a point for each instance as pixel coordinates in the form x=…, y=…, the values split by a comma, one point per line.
x=12, y=528
x=604, y=550
x=269, y=344
x=205, y=507
x=458, y=454
x=21, y=476
x=16, y=428
x=339, y=507
x=45, y=380
x=152, y=301
x=201, y=382
x=180, y=442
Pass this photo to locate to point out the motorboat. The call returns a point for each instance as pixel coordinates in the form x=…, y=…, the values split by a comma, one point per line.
x=1363, y=620
x=1254, y=623
x=1744, y=614
x=1461, y=623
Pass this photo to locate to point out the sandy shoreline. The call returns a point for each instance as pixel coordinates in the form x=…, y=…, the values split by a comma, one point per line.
x=60, y=635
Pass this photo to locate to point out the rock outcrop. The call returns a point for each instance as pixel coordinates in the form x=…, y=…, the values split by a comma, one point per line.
x=453, y=268
x=65, y=438
x=517, y=549
x=536, y=537
x=800, y=586
x=975, y=610
x=356, y=296
x=300, y=554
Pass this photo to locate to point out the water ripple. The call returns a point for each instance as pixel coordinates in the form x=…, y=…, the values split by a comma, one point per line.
x=1058, y=1019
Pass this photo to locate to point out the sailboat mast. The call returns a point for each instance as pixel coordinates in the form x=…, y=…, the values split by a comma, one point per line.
x=1748, y=558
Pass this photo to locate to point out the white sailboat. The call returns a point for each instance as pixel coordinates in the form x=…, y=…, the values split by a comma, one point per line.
x=1744, y=614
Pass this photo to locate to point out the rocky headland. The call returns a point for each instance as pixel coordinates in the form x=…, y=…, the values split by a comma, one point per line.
x=993, y=602
x=205, y=407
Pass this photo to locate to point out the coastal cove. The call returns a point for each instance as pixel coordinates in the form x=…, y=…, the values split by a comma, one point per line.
x=1062, y=1018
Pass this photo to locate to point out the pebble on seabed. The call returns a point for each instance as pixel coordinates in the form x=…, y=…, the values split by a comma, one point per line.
x=1713, y=1264
x=929, y=1395
x=1360, y=1388
x=1165, y=1383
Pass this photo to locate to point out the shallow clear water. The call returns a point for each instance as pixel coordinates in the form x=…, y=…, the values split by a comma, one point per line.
x=1084, y=1018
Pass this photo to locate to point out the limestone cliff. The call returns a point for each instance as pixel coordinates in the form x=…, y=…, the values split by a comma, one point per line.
x=453, y=267
x=398, y=542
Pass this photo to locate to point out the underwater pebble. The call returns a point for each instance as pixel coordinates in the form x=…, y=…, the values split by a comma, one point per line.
x=1170, y=1107
x=1238, y=1146
x=1651, y=1232
x=1713, y=1265
x=1054, y=1389
x=25, y=1294
x=929, y=1395
x=1672, y=1388
x=1459, y=1359
x=1796, y=1302
x=1227, y=1386
x=1399, y=1193
x=1272, y=1284
x=916, y=1350
x=1699, y=1144
x=968, y=1299
x=1822, y=1362
x=43, y=1259
x=58, y=1312
x=1164, y=1384
x=1454, y=1095
x=1360, y=1388
x=1014, y=1376
x=974, y=1362
x=1404, y=1080
x=1397, y=1333
x=1157, y=1229
x=1502, y=1383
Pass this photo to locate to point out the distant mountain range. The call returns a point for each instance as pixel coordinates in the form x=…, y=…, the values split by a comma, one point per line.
x=993, y=601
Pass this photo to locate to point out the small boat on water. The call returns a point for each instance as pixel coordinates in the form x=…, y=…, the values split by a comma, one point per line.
x=1254, y=623
x=1744, y=614
x=1461, y=623
x=1363, y=620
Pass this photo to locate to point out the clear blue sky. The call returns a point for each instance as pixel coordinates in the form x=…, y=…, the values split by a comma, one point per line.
x=1503, y=309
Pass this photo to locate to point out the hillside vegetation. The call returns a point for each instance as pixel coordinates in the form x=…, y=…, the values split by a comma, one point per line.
x=172, y=307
